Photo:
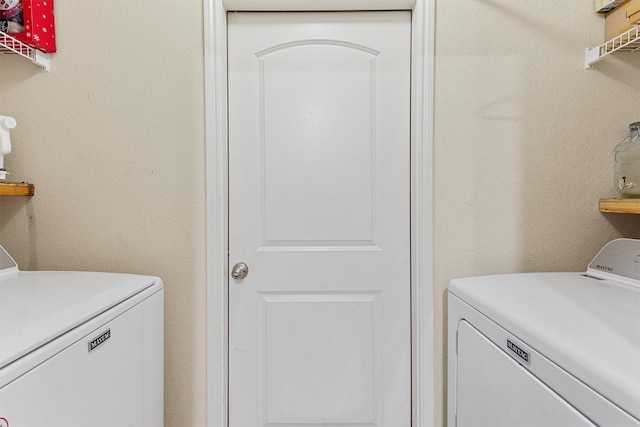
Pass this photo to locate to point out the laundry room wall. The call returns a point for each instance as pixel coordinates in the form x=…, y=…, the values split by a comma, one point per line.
x=523, y=141
x=113, y=139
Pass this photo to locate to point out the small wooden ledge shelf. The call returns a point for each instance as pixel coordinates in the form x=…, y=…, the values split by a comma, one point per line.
x=17, y=189
x=628, y=206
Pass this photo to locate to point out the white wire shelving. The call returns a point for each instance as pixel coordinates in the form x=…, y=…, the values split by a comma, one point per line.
x=9, y=45
x=628, y=41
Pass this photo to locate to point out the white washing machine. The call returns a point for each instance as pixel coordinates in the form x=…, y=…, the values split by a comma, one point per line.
x=548, y=349
x=79, y=348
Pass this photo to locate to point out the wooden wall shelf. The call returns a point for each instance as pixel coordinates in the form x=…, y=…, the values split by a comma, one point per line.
x=17, y=189
x=628, y=206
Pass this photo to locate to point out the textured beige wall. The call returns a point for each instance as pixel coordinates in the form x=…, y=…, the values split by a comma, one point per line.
x=113, y=138
x=523, y=140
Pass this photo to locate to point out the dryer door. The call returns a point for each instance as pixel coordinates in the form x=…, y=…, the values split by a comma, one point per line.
x=495, y=391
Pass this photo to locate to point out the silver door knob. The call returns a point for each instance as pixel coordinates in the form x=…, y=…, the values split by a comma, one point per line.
x=240, y=271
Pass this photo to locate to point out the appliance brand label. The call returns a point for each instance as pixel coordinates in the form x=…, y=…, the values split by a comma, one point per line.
x=522, y=354
x=4, y=422
x=603, y=267
x=98, y=341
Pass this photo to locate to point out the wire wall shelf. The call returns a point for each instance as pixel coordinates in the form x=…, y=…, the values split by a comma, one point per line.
x=628, y=41
x=9, y=45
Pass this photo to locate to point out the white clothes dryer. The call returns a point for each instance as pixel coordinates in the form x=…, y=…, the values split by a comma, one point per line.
x=548, y=349
x=80, y=348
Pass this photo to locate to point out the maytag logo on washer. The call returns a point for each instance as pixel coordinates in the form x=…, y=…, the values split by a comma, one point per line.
x=98, y=341
x=522, y=354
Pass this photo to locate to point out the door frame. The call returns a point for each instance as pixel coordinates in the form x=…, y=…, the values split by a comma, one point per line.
x=422, y=297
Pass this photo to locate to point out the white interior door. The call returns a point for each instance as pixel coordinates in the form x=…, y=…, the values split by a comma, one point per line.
x=319, y=210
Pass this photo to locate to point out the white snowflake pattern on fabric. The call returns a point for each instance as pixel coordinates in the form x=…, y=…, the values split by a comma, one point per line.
x=39, y=30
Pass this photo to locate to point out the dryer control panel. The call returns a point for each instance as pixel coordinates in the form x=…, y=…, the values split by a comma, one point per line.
x=618, y=259
x=7, y=265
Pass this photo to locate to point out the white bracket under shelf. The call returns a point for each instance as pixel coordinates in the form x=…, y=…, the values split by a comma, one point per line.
x=10, y=45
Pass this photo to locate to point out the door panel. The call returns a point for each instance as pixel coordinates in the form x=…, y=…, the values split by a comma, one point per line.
x=319, y=330
x=342, y=364
x=303, y=181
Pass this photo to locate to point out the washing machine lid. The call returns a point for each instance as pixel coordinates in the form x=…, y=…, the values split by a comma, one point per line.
x=588, y=326
x=37, y=307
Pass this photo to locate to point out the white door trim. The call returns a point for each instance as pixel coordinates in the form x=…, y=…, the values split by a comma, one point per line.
x=215, y=49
